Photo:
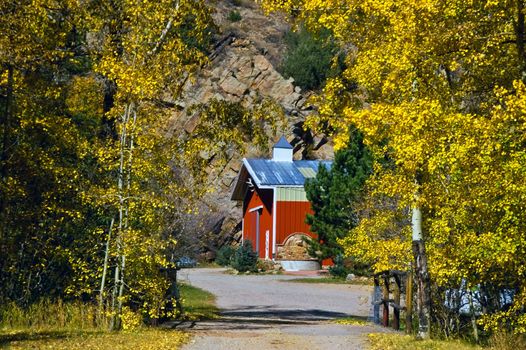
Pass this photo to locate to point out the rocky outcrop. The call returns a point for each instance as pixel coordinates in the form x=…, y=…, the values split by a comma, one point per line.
x=240, y=73
x=242, y=68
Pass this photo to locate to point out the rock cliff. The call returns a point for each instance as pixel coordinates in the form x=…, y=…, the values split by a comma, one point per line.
x=242, y=68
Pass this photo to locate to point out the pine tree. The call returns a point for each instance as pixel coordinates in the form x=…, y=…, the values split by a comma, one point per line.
x=333, y=194
x=245, y=258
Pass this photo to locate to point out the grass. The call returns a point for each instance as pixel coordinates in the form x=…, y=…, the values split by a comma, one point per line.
x=198, y=304
x=385, y=341
x=61, y=326
x=140, y=339
x=352, y=321
x=46, y=314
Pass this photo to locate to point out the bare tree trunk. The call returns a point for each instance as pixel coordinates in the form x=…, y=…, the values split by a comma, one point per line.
x=423, y=292
x=121, y=291
x=473, y=317
x=124, y=194
x=114, y=299
x=105, y=270
x=118, y=289
x=129, y=169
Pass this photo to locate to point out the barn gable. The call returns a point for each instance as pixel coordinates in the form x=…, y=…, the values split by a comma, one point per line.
x=279, y=181
x=267, y=173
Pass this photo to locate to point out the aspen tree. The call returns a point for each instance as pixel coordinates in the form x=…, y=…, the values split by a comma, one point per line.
x=438, y=80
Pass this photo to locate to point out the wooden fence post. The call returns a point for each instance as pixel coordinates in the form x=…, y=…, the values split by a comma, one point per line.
x=377, y=296
x=385, y=300
x=409, y=303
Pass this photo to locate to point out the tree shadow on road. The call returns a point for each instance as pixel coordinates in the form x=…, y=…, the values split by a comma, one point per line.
x=259, y=317
x=275, y=313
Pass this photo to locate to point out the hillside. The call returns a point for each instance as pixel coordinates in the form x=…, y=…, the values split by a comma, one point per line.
x=243, y=68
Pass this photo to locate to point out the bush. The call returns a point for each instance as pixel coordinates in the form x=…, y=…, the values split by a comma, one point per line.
x=308, y=59
x=339, y=269
x=224, y=255
x=503, y=340
x=234, y=16
x=245, y=258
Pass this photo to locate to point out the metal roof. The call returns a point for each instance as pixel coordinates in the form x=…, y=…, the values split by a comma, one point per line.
x=269, y=173
x=283, y=143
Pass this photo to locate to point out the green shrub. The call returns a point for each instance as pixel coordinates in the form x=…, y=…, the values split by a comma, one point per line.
x=245, y=258
x=224, y=255
x=308, y=59
x=234, y=16
x=339, y=269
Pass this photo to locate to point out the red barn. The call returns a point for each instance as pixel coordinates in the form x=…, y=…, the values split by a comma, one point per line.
x=274, y=202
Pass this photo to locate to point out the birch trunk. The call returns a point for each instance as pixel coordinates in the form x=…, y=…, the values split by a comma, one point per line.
x=121, y=260
x=114, y=299
x=125, y=196
x=104, y=271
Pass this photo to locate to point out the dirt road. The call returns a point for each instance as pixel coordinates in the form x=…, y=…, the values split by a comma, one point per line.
x=267, y=312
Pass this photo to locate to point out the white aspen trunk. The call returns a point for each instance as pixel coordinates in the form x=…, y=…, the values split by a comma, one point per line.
x=416, y=223
x=129, y=170
x=114, y=299
x=104, y=271
x=125, y=195
x=121, y=289
x=119, y=275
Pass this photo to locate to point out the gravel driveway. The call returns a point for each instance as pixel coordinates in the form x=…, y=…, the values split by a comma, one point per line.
x=267, y=312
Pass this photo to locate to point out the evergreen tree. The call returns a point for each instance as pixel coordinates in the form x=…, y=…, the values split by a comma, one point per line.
x=332, y=194
x=245, y=258
x=309, y=58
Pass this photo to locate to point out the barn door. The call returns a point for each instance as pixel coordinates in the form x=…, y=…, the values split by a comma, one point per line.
x=255, y=218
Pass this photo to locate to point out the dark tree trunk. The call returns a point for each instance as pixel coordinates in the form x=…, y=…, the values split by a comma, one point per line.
x=423, y=291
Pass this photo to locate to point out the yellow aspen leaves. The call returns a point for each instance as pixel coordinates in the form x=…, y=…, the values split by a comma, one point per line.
x=440, y=98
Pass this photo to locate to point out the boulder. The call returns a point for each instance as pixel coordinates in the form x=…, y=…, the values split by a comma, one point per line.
x=350, y=277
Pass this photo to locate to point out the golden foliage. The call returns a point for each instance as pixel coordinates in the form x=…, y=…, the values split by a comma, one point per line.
x=441, y=102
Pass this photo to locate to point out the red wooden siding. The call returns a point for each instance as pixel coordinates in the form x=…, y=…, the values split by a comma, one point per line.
x=253, y=200
x=291, y=219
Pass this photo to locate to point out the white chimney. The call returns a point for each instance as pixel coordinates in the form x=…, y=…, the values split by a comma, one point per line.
x=282, y=151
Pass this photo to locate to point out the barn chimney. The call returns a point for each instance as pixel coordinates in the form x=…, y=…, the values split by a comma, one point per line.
x=282, y=151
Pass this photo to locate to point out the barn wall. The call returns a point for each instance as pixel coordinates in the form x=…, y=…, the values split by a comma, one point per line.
x=252, y=200
x=291, y=219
